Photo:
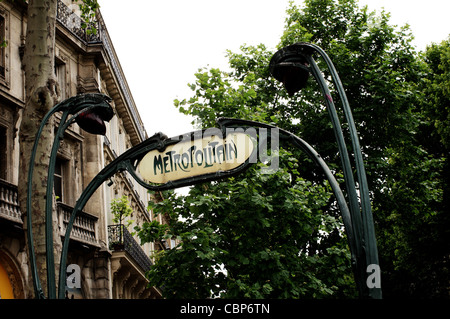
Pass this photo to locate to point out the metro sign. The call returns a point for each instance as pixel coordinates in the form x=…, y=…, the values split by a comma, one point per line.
x=198, y=154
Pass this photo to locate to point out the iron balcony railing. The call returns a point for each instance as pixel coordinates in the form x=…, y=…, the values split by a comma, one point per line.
x=75, y=24
x=121, y=239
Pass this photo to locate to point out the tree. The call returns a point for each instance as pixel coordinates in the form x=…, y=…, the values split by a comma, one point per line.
x=41, y=94
x=415, y=230
x=399, y=100
x=437, y=126
x=437, y=94
x=120, y=208
x=247, y=238
x=362, y=45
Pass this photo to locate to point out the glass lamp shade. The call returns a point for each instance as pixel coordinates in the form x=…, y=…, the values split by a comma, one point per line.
x=95, y=109
x=91, y=122
x=289, y=66
x=293, y=76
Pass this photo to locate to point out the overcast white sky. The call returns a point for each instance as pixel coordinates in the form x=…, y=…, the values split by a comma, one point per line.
x=161, y=44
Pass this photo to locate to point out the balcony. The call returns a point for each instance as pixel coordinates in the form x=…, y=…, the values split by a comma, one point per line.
x=121, y=240
x=84, y=228
x=75, y=24
x=9, y=203
x=129, y=263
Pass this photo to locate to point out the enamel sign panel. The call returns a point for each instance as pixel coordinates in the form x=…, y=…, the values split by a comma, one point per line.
x=198, y=156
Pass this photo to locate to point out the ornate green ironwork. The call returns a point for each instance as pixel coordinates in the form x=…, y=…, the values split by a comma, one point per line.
x=291, y=65
x=129, y=161
x=75, y=106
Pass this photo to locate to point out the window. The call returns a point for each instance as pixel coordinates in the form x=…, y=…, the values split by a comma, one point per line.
x=3, y=152
x=58, y=181
x=2, y=46
x=60, y=74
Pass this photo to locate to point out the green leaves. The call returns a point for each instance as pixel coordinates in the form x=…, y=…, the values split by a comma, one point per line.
x=437, y=92
x=151, y=231
x=217, y=93
x=247, y=237
x=120, y=208
x=88, y=11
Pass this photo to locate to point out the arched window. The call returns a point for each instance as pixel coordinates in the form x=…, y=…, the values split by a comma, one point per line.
x=11, y=284
x=6, y=289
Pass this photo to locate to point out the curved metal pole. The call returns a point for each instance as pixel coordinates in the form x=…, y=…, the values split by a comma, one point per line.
x=75, y=104
x=121, y=163
x=35, y=277
x=362, y=178
x=347, y=169
x=346, y=216
x=49, y=209
x=367, y=216
x=348, y=173
x=312, y=153
x=368, y=231
x=104, y=175
x=63, y=125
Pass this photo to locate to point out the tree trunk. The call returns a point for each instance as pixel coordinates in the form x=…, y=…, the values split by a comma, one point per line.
x=41, y=95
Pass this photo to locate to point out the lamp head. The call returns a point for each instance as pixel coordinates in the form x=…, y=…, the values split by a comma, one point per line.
x=98, y=111
x=290, y=67
x=91, y=122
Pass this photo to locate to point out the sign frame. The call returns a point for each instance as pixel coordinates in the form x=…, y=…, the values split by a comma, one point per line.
x=180, y=160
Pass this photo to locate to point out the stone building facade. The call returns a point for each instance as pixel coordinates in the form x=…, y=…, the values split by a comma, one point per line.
x=83, y=64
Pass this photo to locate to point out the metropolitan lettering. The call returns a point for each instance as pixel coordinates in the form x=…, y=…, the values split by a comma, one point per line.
x=195, y=157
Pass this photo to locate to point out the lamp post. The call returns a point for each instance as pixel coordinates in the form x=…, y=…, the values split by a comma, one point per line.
x=89, y=111
x=292, y=65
